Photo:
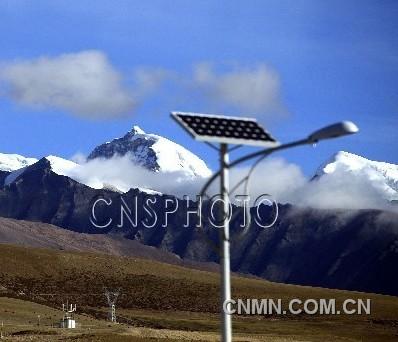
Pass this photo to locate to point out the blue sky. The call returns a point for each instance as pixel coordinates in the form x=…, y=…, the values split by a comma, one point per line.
x=333, y=60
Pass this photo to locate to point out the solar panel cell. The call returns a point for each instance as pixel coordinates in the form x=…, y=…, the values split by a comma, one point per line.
x=223, y=129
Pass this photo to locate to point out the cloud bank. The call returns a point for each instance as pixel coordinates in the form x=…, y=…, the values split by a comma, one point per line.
x=83, y=83
x=284, y=181
x=256, y=89
x=123, y=174
x=338, y=190
x=86, y=84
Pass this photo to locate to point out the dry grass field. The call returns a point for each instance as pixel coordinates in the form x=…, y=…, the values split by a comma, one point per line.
x=161, y=302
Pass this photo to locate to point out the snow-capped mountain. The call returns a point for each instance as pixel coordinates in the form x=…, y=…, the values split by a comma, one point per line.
x=380, y=174
x=58, y=165
x=12, y=162
x=153, y=152
x=148, y=162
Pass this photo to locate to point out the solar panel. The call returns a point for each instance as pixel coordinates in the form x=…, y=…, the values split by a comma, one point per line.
x=224, y=129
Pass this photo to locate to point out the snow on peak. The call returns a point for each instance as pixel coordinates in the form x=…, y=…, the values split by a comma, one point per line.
x=353, y=162
x=137, y=130
x=380, y=174
x=153, y=152
x=173, y=157
x=136, y=160
x=61, y=166
x=12, y=162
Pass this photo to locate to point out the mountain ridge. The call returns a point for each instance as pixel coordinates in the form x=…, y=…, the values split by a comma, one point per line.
x=147, y=151
x=305, y=246
x=381, y=175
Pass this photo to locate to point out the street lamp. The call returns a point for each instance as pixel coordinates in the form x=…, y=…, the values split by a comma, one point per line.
x=334, y=131
x=226, y=130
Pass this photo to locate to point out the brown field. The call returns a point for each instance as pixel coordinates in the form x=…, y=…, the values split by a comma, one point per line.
x=161, y=302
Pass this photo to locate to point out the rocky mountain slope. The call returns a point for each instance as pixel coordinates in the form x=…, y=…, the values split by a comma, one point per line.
x=43, y=235
x=356, y=250
x=58, y=165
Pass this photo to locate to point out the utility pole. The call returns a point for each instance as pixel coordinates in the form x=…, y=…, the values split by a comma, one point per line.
x=225, y=244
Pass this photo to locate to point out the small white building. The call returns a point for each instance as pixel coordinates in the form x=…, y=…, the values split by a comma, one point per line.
x=68, y=321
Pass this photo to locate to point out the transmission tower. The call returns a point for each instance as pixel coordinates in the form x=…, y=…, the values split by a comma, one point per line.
x=111, y=296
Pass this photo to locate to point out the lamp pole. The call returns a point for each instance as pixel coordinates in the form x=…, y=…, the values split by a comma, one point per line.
x=224, y=240
x=217, y=128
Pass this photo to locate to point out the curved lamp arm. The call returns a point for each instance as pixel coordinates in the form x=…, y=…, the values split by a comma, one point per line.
x=332, y=131
x=264, y=152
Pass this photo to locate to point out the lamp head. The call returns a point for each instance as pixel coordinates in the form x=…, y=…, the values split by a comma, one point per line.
x=334, y=131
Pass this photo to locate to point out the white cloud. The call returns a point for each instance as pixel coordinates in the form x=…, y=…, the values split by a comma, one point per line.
x=83, y=83
x=79, y=158
x=256, y=89
x=342, y=190
x=124, y=174
x=148, y=79
x=284, y=181
x=87, y=84
x=274, y=176
x=338, y=190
